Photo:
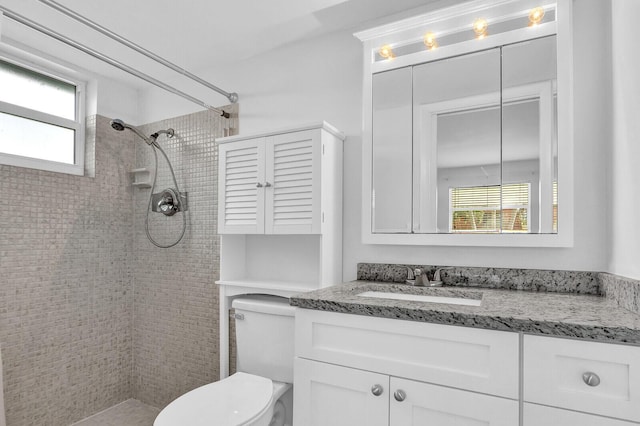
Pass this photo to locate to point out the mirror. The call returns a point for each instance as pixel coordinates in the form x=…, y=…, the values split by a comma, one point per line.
x=467, y=144
x=392, y=177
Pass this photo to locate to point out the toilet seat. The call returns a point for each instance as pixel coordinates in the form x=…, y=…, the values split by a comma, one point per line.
x=237, y=400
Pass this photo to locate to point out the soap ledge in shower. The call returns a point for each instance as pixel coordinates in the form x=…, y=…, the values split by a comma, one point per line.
x=138, y=175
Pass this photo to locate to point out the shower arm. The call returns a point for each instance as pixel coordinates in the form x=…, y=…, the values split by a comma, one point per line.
x=104, y=58
x=233, y=97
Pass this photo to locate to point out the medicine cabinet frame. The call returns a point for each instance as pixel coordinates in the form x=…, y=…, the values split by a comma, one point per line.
x=457, y=19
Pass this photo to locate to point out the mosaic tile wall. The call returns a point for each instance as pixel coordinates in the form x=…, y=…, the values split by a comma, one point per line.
x=65, y=284
x=175, y=331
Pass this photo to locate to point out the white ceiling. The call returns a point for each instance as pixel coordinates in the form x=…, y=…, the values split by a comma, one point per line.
x=196, y=34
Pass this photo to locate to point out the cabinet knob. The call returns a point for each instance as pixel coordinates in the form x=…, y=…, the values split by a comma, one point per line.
x=377, y=390
x=591, y=379
x=399, y=395
x=267, y=184
x=258, y=185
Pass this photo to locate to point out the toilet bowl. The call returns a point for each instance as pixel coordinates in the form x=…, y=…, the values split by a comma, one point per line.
x=241, y=399
x=259, y=394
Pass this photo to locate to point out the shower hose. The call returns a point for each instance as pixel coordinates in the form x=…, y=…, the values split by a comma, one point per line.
x=157, y=147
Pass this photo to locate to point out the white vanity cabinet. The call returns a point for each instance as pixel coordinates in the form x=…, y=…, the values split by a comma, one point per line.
x=354, y=370
x=273, y=183
x=362, y=370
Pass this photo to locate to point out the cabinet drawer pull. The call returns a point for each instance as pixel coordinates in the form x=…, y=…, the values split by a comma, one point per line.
x=377, y=390
x=258, y=185
x=591, y=379
x=399, y=395
x=267, y=185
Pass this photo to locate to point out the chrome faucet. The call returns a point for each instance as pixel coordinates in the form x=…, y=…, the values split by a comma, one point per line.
x=416, y=277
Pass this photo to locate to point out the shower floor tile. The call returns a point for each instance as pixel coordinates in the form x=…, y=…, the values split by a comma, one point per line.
x=128, y=413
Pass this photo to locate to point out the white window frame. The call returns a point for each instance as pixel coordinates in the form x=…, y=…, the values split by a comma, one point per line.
x=78, y=125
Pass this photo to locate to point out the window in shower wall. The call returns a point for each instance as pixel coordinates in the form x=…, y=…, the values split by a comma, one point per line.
x=41, y=118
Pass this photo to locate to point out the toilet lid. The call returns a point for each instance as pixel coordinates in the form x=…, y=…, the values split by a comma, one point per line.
x=233, y=401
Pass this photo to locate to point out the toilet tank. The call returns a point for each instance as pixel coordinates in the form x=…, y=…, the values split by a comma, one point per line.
x=264, y=336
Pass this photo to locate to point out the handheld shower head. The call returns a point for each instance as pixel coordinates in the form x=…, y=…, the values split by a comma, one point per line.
x=118, y=124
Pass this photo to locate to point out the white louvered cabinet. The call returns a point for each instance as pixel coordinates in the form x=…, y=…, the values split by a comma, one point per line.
x=280, y=208
x=273, y=184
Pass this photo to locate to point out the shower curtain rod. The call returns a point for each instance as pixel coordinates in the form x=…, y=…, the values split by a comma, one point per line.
x=233, y=97
x=104, y=58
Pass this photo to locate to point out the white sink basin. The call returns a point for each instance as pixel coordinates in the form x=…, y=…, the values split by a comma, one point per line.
x=422, y=298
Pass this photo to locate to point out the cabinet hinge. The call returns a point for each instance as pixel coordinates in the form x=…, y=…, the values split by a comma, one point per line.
x=322, y=217
x=322, y=149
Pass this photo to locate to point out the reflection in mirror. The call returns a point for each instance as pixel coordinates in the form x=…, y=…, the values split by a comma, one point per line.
x=456, y=107
x=468, y=144
x=530, y=134
x=391, y=189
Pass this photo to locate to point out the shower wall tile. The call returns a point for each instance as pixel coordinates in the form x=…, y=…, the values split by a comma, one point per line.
x=65, y=284
x=175, y=326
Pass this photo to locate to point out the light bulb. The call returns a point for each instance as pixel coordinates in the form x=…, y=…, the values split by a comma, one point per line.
x=535, y=16
x=480, y=26
x=430, y=40
x=386, y=52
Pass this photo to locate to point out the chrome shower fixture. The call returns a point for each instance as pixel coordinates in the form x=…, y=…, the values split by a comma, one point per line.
x=120, y=125
x=168, y=202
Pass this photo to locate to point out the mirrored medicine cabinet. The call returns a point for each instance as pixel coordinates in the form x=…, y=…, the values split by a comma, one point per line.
x=468, y=133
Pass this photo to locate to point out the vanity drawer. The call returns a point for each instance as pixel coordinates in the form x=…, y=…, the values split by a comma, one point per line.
x=538, y=415
x=597, y=378
x=484, y=361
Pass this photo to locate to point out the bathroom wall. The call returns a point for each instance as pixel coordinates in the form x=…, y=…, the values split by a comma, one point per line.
x=321, y=79
x=65, y=284
x=175, y=325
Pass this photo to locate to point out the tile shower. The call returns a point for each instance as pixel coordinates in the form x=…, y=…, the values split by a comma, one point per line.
x=91, y=314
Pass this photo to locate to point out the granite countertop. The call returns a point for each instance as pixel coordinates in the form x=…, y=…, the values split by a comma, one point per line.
x=579, y=316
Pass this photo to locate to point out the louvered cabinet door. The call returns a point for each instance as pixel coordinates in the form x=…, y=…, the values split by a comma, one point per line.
x=292, y=201
x=241, y=187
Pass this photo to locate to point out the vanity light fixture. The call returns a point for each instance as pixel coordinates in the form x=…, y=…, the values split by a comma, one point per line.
x=430, y=40
x=535, y=16
x=480, y=26
x=386, y=52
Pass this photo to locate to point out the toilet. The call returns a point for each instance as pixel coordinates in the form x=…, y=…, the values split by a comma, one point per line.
x=260, y=393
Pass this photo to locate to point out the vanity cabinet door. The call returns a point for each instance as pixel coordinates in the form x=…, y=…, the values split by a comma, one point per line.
x=326, y=394
x=240, y=181
x=538, y=415
x=416, y=403
x=292, y=184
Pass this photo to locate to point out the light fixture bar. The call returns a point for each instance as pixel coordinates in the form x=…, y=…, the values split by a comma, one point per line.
x=233, y=97
x=104, y=58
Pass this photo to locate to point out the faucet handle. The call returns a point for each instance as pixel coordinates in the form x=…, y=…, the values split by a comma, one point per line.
x=410, y=275
x=411, y=279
